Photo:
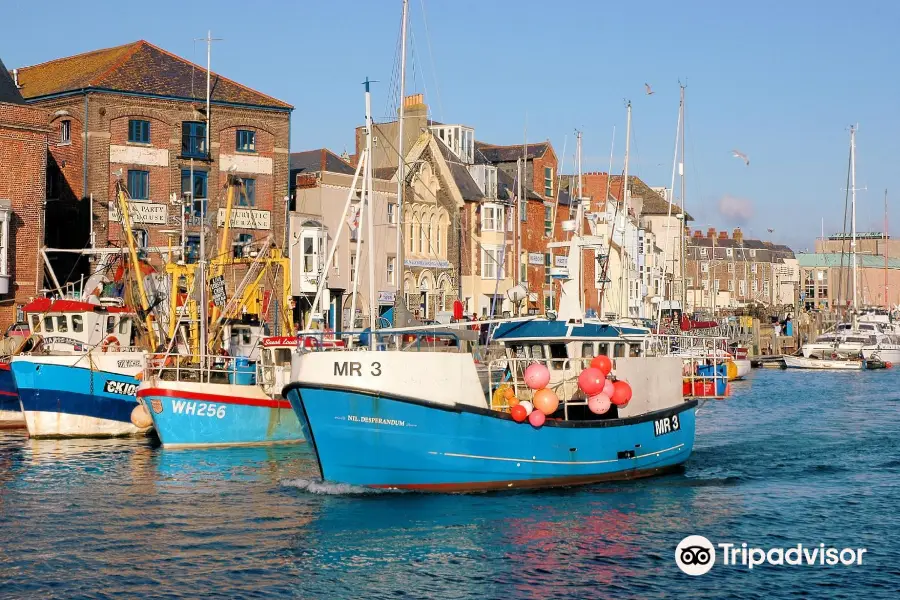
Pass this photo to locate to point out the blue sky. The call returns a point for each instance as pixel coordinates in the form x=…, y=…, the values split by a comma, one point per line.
x=781, y=81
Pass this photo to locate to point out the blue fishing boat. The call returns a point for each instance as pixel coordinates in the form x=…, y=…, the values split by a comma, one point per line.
x=232, y=404
x=81, y=380
x=422, y=420
x=10, y=410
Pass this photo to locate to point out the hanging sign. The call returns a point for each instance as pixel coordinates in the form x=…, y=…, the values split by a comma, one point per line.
x=141, y=212
x=217, y=289
x=561, y=261
x=246, y=218
x=535, y=258
x=386, y=297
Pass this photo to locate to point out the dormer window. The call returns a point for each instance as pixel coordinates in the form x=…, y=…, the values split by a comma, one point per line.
x=490, y=182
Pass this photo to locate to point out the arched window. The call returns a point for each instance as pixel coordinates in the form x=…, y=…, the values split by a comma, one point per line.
x=412, y=232
x=437, y=236
x=432, y=235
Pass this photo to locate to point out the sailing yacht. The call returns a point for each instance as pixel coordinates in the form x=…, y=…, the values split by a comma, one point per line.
x=864, y=337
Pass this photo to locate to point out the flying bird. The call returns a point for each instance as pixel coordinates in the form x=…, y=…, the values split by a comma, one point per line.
x=742, y=156
x=647, y=88
x=770, y=230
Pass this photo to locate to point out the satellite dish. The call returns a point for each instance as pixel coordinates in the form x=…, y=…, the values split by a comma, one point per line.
x=517, y=293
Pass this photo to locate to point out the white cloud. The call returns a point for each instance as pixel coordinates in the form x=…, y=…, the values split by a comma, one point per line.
x=737, y=210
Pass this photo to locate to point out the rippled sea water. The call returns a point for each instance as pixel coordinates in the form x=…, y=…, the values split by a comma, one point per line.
x=791, y=457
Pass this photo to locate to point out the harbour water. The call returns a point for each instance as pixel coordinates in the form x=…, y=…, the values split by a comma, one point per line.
x=791, y=457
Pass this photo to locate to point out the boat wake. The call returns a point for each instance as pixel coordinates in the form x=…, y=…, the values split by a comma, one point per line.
x=325, y=488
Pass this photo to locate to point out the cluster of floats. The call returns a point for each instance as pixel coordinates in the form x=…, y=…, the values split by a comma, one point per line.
x=565, y=400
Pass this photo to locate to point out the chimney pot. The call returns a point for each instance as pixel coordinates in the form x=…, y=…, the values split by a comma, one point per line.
x=738, y=235
x=711, y=232
x=723, y=235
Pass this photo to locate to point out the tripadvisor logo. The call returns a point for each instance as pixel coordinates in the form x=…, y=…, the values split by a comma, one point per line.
x=696, y=555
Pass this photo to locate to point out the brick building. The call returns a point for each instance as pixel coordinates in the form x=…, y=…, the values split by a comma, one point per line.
x=729, y=272
x=23, y=168
x=139, y=113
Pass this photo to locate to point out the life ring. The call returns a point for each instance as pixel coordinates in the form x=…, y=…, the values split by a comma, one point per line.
x=111, y=341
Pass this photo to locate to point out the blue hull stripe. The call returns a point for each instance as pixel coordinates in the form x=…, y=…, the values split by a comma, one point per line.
x=363, y=439
x=72, y=390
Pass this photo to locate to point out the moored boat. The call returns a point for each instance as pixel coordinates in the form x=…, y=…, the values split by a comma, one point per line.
x=237, y=403
x=10, y=409
x=825, y=364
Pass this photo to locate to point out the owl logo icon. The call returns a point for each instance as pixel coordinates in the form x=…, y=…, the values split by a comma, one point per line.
x=695, y=555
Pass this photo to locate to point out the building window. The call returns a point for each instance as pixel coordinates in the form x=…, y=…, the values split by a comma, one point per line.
x=353, y=264
x=424, y=242
x=704, y=267
x=391, y=269
x=731, y=285
x=490, y=182
x=547, y=262
x=241, y=245
x=492, y=217
x=766, y=288
x=246, y=141
x=437, y=237
x=139, y=131
x=192, y=249
x=392, y=213
x=193, y=139
x=754, y=285
x=753, y=268
x=752, y=253
x=744, y=287
x=248, y=198
x=65, y=132
x=548, y=220
x=548, y=182
x=731, y=267
x=139, y=185
x=198, y=192
x=716, y=286
x=689, y=283
x=729, y=252
x=491, y=267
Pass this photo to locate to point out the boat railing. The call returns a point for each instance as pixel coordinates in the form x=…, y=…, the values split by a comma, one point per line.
x=175, y=368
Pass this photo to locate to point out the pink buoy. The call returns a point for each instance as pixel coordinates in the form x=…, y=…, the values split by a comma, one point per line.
x=599, y=404
x=537, y=376
x=608, y=388
x=528, y=407
x=591, y=381
x=537, y=418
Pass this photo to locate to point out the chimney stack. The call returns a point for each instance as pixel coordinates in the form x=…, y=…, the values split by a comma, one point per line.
x=723, y=235
x=711, y=232
x=698, y=234
x=15, y=74
x=738, y=235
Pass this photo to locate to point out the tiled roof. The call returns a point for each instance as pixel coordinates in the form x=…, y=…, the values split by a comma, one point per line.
x=138, y=67
x=746, y=243
x=468, y=188
x=654, y=204
x=506, y=187
x=496, y=154
x=834, y=259
x=322, y=159
x=8, y=91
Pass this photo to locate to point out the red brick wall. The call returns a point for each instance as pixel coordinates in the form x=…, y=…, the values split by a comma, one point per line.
x=23, y=166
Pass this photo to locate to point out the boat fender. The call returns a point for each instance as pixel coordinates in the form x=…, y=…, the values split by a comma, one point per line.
x=140, y=417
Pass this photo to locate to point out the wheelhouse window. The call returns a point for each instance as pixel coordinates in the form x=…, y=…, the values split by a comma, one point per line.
x=242, y=245
x=62, y=324
x=192, y=249
x=246, y=141
x=558, y=352
x=619, y=350
x=193, y=139
x=139, y=131
x=110, y=324
x=139, y=185
x=587, y=350
x=77, y=323
x=48, y=325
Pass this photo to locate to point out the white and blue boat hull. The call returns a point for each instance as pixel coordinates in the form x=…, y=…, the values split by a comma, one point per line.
x=370, y=439
x=187, y=414
x=62, y=396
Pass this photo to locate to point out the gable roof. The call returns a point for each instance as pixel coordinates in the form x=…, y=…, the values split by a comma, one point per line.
x=322, y=159
x=8, y=91
x=138, y=67
x=654, y=204
x=468, y=188
x=494, y=154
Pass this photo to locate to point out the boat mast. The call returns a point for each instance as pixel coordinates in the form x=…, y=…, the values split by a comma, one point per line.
x=887, y=303
x=202, y=265
x=626, y=255
x=370, y=209
x=681, y=234
x=669, y=196
x=400, y=269
x=853, y=210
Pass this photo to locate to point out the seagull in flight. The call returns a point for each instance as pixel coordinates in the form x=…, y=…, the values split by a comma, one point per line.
x=647, y=88
x=770, y=230
x=742, y=156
